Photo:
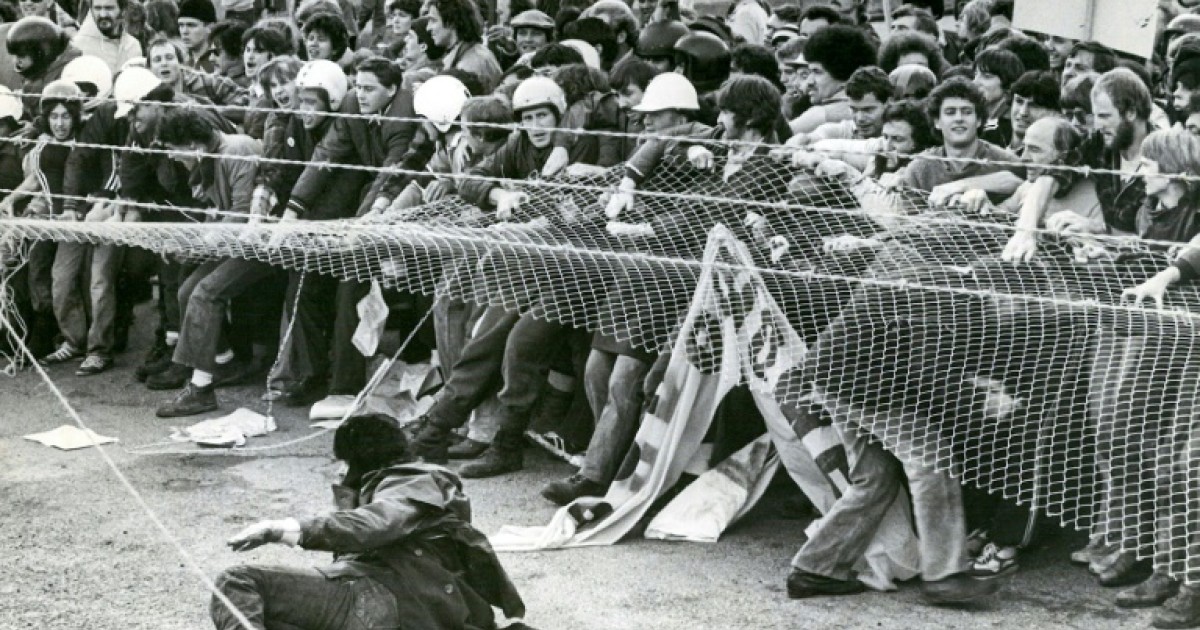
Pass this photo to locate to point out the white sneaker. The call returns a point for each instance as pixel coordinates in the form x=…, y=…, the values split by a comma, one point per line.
x=66, y=352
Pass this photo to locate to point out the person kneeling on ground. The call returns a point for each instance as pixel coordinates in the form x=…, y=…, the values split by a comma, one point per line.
x=403, y=544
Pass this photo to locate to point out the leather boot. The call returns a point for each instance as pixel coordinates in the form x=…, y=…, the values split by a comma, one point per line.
x=504, y=456
x=431, y=443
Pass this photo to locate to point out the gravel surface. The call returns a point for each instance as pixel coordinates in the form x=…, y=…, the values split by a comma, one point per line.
x=79, y=553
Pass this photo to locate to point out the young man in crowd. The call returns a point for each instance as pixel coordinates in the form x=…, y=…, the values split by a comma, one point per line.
x=195, y=19
x=164, y=59
x=378, y=143
x=103, y=35
x=457, y=28
x=1034, y=97
x=832, y=55
x=995, y=72
x=1087, y=57
x=227, y=173
x=532, y=29
x=868, y=91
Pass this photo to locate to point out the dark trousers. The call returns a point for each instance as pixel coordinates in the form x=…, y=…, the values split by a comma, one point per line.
x=287, y=598
x=309, y=308
x=205, y=299
x=171, y=275
x=477, y=372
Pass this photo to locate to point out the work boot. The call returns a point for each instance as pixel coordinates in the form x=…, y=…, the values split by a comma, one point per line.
x=564, y=491
x=957, y=589
x=467, y=449
x=192, y=400
x=173, y=377
x=431, y=442
x=238, y=372
x=1181, y=611
x=1157, y=588
x=505, y=455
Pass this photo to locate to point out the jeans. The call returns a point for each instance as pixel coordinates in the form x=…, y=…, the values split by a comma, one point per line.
x=41, y=276
x=106, y=265
x=614, y=389
x=205, y=297
x=287, y=598
x=68, y=288
x=476, y=373
x=841, y=537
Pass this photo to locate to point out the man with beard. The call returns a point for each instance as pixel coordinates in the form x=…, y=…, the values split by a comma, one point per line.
x=103, y=35
x=1121, y=107
x=405, y=552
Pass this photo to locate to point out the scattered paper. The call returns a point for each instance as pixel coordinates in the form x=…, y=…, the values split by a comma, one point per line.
x=70, y=437
x=227, y=431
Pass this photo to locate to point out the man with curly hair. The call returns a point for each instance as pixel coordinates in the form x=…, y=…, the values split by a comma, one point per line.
x=833, y=54
x=457, y=27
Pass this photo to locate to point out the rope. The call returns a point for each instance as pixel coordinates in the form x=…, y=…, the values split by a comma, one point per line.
x=137, y=496
x=371, y=386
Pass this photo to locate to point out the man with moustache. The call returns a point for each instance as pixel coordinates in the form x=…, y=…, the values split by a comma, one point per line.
x=103, y=35
x=1121, y=107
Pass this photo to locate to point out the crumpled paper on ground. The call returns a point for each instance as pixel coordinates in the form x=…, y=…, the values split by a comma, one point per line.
x=395, y=396
x=227, y=431
x=69, y=437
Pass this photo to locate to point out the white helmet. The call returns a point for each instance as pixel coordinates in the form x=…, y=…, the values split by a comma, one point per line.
x=10, y=104
x=326, y=75
x=591, y=58
x=537, y=92
x=131, y=86
x=441, y=100
x=669, y=91
x=91, y=70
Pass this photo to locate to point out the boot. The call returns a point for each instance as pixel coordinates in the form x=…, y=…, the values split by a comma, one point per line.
x=431, y=443
x=504, y=456
x=467, y=449
x=1181, y=611
x=1126, y=571
x=567, y=490
x=156, y=362
x=1157, y=588
x=957, y=589
x=173, y=377
x=191, y=401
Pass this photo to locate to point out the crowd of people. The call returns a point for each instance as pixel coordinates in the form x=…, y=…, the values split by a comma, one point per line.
x=121, y=111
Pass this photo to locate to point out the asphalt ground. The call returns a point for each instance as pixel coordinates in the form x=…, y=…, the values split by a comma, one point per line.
x=78, y=552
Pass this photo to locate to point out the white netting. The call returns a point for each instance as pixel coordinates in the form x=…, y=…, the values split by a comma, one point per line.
x=1034, y=380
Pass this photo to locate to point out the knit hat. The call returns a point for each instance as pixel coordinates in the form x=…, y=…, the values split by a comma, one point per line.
x=202, y=10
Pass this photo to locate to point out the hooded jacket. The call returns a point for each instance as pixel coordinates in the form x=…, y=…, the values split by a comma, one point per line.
x=114, y=52
x=409, y=527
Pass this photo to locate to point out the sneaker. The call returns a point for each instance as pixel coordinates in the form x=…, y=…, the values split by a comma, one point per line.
x=958, y=589
x=1181, y=611
x=1157, y=588
x=993, y=561
x=192, y=400
x=173, y=377
x=802, y=584
x=495, y=461
x=565, y=491
x=66, y=352
x=94, y=364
